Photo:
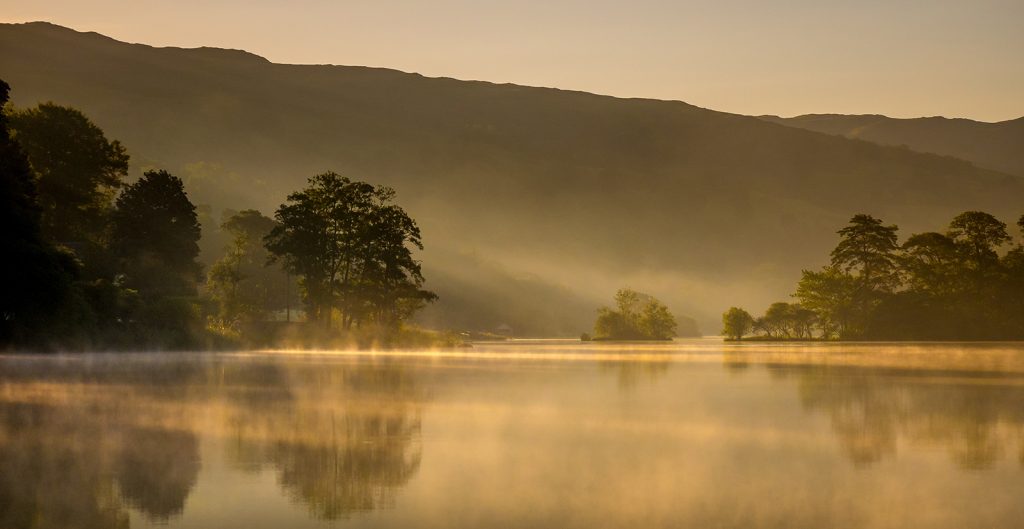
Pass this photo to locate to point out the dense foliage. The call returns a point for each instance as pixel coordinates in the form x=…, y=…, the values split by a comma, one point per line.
x=637, y=316
x=736, y=323
x=963, y=284
x=77, y=169
x=40, y=273
x=242, y=283
x=353, y=250
x=99, y=263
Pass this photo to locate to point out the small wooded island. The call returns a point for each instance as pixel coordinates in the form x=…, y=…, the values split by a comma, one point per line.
x=935, y=286
x=636, y=317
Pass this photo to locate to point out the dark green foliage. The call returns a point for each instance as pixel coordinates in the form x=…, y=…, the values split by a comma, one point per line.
x=77, y=169
x=244, y=284
x=952, y=286
x=978, y=235
x=38, y=275
x=787, y=321
x=350, y=244
x=736, y=323
x=155, y=236
x=868, y=248
x=639, y=317
x=353, y=250
x=830, y=294
x=930, y=262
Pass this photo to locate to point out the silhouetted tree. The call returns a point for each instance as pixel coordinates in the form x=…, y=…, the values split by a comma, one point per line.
x=78, y=171
x=936, y=287
x=931, y=263
x=868, y=248
x=978, y=235
x=351, y=247
x=38, y=276
x=736, y=323
x=156, y=234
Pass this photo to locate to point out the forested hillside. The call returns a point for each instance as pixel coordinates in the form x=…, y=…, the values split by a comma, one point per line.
x=568, y=192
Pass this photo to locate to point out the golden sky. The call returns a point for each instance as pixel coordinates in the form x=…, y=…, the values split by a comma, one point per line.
x=904, y=58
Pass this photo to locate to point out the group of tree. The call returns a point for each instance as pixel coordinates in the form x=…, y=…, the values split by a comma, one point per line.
x=94, y=261
x=91, y=259
x=638, y=317
x=964, y=284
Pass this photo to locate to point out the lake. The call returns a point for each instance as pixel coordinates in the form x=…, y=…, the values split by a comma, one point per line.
x=556, y=434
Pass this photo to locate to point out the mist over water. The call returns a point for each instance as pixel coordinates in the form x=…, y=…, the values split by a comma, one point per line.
x=695, y=433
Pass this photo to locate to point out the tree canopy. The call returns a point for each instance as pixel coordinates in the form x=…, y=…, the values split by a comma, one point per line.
x=736, y=323
x=78, y=170
x=245, y=285
x=156, y=234
x=935, y=286
x=638, y=317
x=38, y=275
x=352, y=248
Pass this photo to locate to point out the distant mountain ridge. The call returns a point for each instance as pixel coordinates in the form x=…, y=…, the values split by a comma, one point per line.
x=588, y=193
x=998, y=146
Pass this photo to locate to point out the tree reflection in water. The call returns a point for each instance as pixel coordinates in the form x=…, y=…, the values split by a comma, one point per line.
x=65, y=468
x=157, y=469
x=345, y=442
x=631, y=373
x=976, y=417
x=81, y=444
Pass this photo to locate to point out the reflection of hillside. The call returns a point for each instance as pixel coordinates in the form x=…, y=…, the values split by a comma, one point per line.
x=977, y=418
x=345, y=442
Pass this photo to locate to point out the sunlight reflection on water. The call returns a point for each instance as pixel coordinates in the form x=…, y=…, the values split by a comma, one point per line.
x=694, y=433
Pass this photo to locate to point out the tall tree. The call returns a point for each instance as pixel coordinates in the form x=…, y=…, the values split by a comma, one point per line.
x=831, y=293
x=353, y=250
x=155, y=235
x=38, y=276
x=78, y=170
x=736, y=323
x=868, y=247
x=979, y=235
x=656, y=321
x=244, y=284
x=930, y=262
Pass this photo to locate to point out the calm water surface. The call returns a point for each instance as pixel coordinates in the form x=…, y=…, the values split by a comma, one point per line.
x=529, y=434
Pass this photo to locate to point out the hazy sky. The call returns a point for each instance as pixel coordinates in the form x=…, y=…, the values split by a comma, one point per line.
x=904, y=58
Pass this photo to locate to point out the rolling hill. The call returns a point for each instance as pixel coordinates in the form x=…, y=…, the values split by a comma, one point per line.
x=537, y=189
x=998, y=146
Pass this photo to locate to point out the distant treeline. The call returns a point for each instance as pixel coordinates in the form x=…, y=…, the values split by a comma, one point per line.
x=955, y=285
x=92, y=261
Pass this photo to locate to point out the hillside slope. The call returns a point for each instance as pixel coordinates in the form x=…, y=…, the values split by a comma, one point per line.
x=588, y=192
x=998, y=146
